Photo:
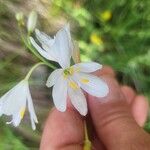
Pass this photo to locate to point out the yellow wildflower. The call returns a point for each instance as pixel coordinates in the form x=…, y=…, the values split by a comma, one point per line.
x=106, y=15
x=95, y=39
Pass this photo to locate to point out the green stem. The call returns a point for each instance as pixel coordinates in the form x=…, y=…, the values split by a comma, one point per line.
x=32, y=69
x=87, y=142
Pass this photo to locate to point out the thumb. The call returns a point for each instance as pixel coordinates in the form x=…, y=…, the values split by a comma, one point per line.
x=113, y=121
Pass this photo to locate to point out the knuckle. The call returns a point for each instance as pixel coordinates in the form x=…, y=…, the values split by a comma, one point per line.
x=115, y=113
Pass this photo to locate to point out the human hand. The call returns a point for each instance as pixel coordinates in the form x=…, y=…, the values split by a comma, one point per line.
x=114, y=121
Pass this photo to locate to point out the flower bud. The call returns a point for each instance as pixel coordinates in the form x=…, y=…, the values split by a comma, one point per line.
x=32, y=19
x=20, y=18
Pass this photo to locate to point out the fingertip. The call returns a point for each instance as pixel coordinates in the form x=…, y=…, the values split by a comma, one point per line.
x=129, y=93
x=62, y=129
x=106, y=70
x=140, y=108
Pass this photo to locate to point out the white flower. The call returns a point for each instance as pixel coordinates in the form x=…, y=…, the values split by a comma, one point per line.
x=69, y=81
x=57, y=49
x=14, y=102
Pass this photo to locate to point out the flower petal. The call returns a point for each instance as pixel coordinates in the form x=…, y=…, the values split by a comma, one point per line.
x=62, y=47
x=14, y=103
x=46, y=42
x=67, y=28
x=88, y=66
x=44, y=38
x=78, y=100
x=1, y=108
x=93, y=85
x=59, y=94
x=33, y=116
x=44, y=53
x=16, y=119
x=53, y=77
x=14, y=99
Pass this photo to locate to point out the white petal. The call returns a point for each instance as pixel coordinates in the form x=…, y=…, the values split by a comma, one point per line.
x=14, y=103
x=62, y=46
x=1, y=108
x=46, y=42
x=67, y=28
x=14, y=99
x=93, y=85
x=44, y=53
x=16, y=119
x=59, y=94
x=88, y=66
x=33, y=116
x=78, y=100
x=53, y=77
x=44, y=38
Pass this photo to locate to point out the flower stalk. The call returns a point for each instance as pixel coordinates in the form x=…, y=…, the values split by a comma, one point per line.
x=32, y=69
x=87, y=142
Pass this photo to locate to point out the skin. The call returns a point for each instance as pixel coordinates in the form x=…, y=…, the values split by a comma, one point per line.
x=114, y=122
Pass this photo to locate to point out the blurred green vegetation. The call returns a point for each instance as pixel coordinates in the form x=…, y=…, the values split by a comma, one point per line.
x=116, y=33
x=8, y=141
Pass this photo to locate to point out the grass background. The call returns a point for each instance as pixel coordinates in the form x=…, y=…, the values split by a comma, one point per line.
x=116, y=33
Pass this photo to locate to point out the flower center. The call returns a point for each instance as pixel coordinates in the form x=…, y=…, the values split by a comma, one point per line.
x=68, y=72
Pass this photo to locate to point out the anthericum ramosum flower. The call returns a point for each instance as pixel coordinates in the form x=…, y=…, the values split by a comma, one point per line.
x=69, y=81
x=14, y=102
x=58, y=49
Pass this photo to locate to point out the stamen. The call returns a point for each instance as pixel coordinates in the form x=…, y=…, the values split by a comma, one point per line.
x=68, y=72
x=22, y=111
x=73, y=85
x=71, y=70
x=84, y=80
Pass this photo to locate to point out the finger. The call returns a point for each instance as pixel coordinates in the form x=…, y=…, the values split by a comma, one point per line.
x=113, y=120
x=106, y=70
x=63, y=131
x=129, y=93
x=139, y=105
x=140, y=109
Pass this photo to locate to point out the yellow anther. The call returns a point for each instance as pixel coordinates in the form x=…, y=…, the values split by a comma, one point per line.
x=71, y=70
x=84, y=80
x=68, y=72
x=73, y=85
x=22, y=111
